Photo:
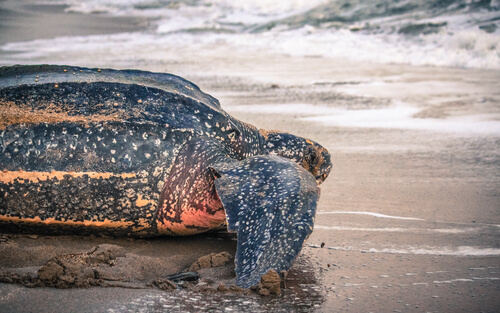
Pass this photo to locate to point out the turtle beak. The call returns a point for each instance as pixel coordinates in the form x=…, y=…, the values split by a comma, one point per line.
x=321, y=178
x=325, y=167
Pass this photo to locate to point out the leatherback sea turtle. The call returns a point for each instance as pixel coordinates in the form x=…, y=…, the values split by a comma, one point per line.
x=127, y=152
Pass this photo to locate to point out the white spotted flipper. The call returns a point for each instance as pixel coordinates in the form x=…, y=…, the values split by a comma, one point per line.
x=270, y=202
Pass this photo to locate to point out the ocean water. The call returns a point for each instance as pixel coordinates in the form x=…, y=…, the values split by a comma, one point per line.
x=460, y=33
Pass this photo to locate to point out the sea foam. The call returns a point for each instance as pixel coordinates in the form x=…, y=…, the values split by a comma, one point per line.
x=317, y=28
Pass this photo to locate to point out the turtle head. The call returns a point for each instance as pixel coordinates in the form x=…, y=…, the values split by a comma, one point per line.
x=316, y=160
x=307, y=153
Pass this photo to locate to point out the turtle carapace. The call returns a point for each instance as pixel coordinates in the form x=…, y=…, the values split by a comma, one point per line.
x=126, y=152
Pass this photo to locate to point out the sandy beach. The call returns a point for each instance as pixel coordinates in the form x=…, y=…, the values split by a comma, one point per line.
x=408, y=220
x=432, y=248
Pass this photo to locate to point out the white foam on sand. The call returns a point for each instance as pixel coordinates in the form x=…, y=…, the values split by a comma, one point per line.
x=371, y=214
x=401, y=229
x=399, y=116
x=303, y=109
x=461, y=251
x=467, y=280
x=402, y=118
x=453, y=281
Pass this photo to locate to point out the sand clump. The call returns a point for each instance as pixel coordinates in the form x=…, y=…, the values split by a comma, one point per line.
x=82, y=269
x=164, y=284
x=212, y=260
x=108, y=265
x=270, y=284
x=71, y=270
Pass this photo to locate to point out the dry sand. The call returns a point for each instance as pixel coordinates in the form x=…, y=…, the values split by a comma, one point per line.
x=427, y=242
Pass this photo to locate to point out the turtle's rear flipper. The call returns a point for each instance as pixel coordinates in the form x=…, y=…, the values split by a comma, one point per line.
x=270, y=202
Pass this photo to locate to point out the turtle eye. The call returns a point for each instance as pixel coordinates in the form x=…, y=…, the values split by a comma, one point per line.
x=311, y=156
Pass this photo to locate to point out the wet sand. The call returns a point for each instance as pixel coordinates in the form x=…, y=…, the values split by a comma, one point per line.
x=407, y=221
x=425, y=237
x=429, y=238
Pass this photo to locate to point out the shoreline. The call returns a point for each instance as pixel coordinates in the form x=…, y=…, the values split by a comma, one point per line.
x=25, y=21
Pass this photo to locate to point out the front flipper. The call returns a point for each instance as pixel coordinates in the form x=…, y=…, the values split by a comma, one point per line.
x=271, y=202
